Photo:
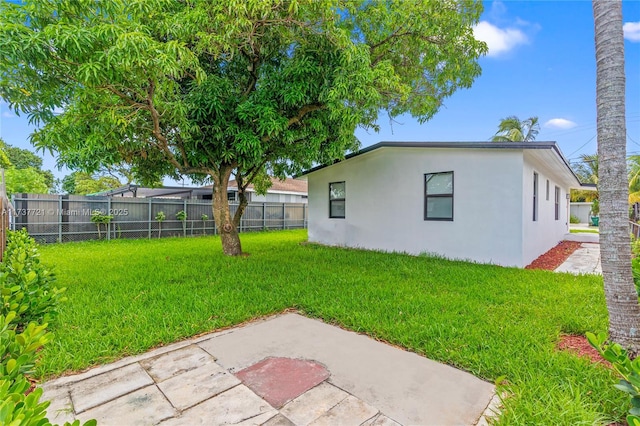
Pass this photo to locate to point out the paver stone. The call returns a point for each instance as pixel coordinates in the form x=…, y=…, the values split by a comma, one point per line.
x=232, y=407
x=188, y=389
x=313, y=403
x=279, y=380
x=351, y=411
x=170, y=364
x=99, y=389
x=145, y=406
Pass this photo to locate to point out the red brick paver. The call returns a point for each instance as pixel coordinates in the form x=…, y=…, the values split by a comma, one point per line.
x=279, y=380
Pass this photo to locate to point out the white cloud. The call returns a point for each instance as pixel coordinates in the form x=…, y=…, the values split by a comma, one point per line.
x=560, y=123
x=631, y=31
x=8, y=114
x=499, y=40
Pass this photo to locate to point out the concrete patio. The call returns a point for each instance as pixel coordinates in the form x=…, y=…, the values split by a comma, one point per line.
x=283, y=370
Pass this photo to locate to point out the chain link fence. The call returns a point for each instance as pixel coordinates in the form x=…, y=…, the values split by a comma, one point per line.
x=65, y=218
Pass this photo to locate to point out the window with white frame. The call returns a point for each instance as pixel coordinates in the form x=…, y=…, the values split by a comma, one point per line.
x=438, y=199
x=557, y=203
x=337, y=200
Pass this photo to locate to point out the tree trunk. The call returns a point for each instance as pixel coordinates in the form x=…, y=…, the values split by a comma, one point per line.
x=615, y=251
x=227, y=226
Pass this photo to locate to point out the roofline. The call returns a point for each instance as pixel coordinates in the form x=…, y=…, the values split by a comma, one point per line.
x=466, y=145
x=133, y=188
x=589, y=186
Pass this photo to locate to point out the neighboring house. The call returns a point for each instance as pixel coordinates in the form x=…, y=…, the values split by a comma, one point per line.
x=501, y=203
x=581, y=210
x=287, y=191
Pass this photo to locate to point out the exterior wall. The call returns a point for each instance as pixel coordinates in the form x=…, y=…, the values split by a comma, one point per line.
x=581, y=211
x=385, y=204
x=541, y=235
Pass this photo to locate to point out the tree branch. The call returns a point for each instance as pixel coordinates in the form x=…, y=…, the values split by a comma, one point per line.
x=438, y=40
x=252, y=172
x=163, y=143
x=304, y=111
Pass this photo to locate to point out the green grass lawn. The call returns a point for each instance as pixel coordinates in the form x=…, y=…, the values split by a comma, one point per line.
x=584, y=231
x=497, y=323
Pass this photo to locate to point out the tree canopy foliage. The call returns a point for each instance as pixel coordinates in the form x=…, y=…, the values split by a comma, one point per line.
x=210, y=88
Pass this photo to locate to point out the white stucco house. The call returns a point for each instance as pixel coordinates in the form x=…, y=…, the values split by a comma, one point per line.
x=500, y=203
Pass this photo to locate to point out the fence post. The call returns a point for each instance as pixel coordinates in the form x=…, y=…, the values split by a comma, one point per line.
x=264, y=217
x=12, y=202
x=284, y=216
x=304, y=216
x=150, y=199
x=60, y=218
x=184, y=222
x=109, y=222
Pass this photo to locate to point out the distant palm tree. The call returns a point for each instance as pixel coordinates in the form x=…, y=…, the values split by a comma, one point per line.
x=587, y=171
x=633, y=165
x=512, y=129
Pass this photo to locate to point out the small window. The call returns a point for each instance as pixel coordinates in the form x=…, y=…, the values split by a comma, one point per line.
x=337, y=200
x=535, y=196
x=438, y=200
x=231, y=195
x=547, y=189
x=557, y=206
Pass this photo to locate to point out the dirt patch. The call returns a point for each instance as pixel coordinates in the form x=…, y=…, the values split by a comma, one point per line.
x=555, y=257
x=581, y=347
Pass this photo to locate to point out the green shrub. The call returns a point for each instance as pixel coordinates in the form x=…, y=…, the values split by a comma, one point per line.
x=18, y=409
x=100, y=218
x=574, y=219
x=29, y=301
x=627, y=369
x=160, y=217
x=26, y=286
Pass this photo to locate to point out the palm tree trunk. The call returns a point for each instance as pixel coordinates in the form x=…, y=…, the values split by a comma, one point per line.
x=620, y=292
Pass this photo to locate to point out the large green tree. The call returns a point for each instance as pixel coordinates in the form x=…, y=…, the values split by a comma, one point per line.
x=82, y=183
x=27, y=180
x=23, y=171
x=215, y=88
x=613, y=189
x=512, y=129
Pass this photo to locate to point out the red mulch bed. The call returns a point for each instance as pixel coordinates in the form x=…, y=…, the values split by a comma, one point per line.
x=555, y=257
x=581, y=347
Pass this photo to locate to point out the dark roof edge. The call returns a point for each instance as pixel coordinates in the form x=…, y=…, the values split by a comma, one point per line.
x=477, y=145
x=588, y=185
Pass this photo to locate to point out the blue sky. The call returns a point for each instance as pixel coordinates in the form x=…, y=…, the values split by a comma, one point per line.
x=541, y=62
